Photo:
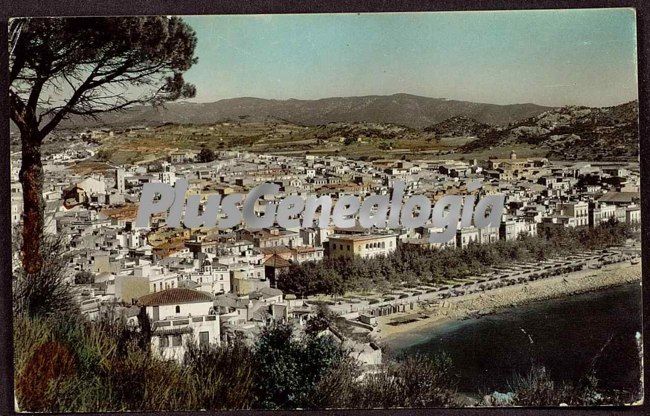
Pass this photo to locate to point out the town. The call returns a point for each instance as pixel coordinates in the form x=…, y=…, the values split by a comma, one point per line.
x=375, y=211
x=209, y=283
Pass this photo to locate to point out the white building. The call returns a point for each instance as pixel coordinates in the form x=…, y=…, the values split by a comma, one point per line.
x=362, y=245
x=212, y=278
x=179, y=317
x=578, y=210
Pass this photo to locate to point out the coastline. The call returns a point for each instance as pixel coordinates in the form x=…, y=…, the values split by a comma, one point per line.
x=493, y=301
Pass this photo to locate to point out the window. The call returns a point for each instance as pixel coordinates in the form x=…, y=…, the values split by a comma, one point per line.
x=176, y=341
x=204, y=338
x=164, y=341
x=178, y=309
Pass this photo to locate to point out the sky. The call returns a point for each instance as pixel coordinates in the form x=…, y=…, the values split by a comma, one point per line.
x=547, y=57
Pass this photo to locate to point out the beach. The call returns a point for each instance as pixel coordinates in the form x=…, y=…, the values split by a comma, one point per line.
x=488, y=302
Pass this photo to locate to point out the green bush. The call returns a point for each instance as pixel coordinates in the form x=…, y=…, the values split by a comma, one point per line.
x=537, y=388
x=288, y=368
x=222, y=375
x=414, y=382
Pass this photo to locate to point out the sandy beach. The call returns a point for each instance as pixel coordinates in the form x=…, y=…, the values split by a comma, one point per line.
x=477, y=304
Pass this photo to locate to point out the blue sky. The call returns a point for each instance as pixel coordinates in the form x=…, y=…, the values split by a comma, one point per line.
x=582, y=57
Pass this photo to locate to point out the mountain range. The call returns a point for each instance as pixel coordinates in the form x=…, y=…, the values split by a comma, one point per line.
x=402, y=109
x=570, y=132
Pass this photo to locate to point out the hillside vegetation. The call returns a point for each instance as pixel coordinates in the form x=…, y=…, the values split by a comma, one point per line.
x=573, y=133
x=566, y=133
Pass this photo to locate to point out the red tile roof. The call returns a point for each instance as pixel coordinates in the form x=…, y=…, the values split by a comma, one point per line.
x=276, y=262
x=174, y=296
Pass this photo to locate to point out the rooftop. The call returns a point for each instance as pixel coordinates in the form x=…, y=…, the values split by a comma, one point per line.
x=361, y=237
x=174, y=296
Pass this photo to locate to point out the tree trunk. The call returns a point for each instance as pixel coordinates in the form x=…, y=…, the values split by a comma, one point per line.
x=31, y=178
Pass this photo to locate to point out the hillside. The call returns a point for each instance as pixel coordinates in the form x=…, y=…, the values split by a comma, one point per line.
x=573, y=133
x=459, y=126
x=566, y=133
x=403, y=109
x=367, y=130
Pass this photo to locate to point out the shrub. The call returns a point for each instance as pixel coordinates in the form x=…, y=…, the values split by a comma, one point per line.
x=415, y=382
x=206, y=155
x=537, y=388
x=141, y=382
x=223, y=376
x=84, y=277
x=288, y=369
x=51, y=364
x=46, y=291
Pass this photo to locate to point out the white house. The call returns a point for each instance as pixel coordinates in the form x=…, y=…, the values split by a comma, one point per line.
x=179, y=316
x=176, y=302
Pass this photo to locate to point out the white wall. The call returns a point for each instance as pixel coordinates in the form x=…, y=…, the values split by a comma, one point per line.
x=194, y=309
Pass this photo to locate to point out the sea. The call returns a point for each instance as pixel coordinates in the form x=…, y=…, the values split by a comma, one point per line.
x=568, y=336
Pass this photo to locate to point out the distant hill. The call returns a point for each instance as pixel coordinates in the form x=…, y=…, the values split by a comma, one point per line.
x=400, y=122
x=385, y=131
x=459, y=126
x=402, y=109
x=574, y=133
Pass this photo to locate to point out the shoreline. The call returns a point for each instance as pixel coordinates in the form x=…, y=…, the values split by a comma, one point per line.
x=486, y=303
